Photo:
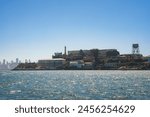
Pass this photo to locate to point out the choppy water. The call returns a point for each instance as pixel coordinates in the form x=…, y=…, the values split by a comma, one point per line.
x=75, y=85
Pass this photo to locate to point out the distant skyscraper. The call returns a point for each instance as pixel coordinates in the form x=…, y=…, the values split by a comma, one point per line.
x=12, y=61
x=26, y=61
x=17, y=60
x=4, y=61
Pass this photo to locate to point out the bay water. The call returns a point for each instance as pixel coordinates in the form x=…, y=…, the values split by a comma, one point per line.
x=75, y=85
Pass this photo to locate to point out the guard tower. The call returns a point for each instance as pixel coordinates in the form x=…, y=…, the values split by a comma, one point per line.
x=135, y=49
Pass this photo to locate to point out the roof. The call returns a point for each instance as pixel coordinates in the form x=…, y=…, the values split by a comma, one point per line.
x=57, y=59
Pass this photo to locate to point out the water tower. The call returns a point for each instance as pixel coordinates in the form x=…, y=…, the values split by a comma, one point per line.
x=135, y=49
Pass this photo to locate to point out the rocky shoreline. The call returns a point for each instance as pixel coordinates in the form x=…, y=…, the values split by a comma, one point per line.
x=131, y=66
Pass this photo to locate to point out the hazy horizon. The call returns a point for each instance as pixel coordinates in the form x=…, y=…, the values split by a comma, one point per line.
x=35, y=29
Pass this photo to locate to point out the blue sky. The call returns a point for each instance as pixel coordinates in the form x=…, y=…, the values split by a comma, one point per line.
x=35, y=29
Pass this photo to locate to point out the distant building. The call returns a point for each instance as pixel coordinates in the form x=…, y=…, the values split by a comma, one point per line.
x=101, y=53
x=76, y=64
x=4, y=61
x=51, y=63
x=88, y=65
x=73, y=52
x=57, y=55
x=107, y=53
x=111, y=65
x=26, y=61
x=75, y=55
x=12, y=61
x=17, y=60
x=8, y=66
x=147, y=58
x=93, y=55
x=130, y=57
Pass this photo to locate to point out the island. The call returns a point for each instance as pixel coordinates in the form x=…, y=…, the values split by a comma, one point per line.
x=92, y=59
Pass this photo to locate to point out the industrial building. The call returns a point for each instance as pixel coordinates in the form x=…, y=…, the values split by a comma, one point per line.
x=79, y=64
x=147, y=59
x=91, y=59
x=51, y=63
x=95, y=59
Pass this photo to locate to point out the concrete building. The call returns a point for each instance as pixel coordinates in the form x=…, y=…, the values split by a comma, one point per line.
x=88, y=65
x=79, y=52
x=93, y=55
x=130, y=57
x=147, y=58
x=51, y=63
x=76, y=64
x=57, y=55
x=111, y=65
x=107, y=53
x=73, y=52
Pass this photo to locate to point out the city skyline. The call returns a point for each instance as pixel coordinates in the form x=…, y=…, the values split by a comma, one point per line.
x=4, y=61
x=38, y=28
x=5, y=65
x=17, y=60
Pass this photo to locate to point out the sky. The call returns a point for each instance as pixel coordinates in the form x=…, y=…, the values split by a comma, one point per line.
x=35, y=29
